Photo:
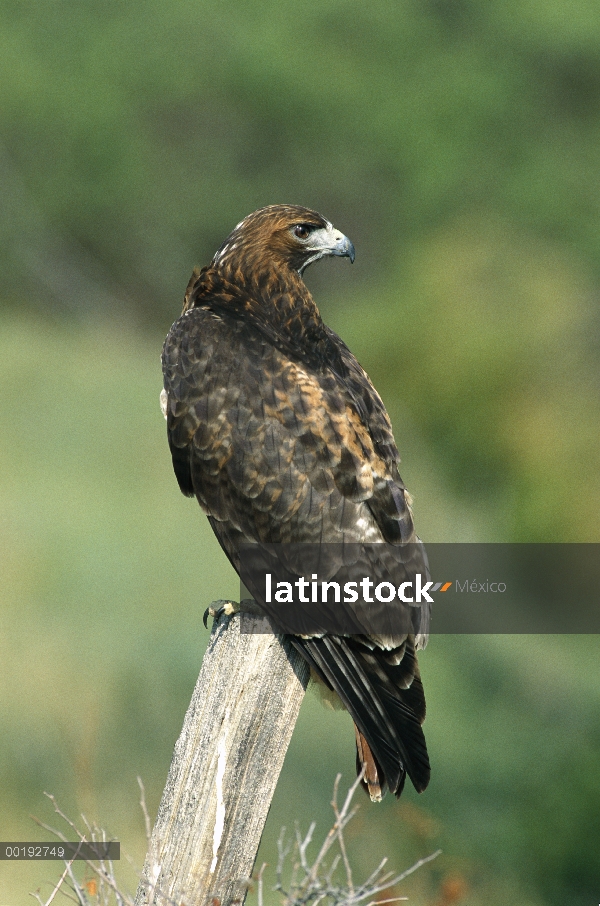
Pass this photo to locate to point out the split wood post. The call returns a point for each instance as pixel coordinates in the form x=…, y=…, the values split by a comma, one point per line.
x=225, y=768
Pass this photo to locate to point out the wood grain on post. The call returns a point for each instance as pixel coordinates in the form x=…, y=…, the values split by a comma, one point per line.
x=225, y=768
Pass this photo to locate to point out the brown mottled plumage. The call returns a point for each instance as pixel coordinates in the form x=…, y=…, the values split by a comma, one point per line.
x=279, y=433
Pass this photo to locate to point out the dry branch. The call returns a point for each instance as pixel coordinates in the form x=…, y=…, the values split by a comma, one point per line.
x=224, y=769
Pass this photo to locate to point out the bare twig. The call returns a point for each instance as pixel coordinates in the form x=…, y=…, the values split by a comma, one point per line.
x=340, y=835
x=260, y=884
x=55, y=891
x=103, y=869
x=418, y=864
x=342, y=819
x=318, y=885
x=147, y=822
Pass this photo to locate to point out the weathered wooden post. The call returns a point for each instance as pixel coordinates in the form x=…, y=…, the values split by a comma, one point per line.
x=225, y=768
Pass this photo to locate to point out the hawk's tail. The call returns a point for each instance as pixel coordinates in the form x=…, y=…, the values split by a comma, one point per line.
x=387, y=703
x=372, y=780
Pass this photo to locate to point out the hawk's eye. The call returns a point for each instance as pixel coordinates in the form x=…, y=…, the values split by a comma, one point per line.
x=301, y=231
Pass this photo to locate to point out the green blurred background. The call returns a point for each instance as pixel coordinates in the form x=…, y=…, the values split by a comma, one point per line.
x=458, y=144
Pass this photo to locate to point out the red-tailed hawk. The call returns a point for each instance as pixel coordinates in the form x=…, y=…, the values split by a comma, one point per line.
x=277, y=430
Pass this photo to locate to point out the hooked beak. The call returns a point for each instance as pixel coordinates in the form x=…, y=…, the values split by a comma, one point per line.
x=328, y=241
x=344, y=248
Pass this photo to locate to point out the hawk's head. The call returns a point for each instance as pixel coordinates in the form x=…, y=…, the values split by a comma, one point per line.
x=280, y=237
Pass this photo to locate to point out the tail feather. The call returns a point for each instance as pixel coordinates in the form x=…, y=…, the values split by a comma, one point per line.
x=387, y=704
x=353, y=689
x=373, y=779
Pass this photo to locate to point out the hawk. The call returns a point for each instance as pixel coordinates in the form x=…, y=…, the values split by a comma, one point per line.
x=280, y=435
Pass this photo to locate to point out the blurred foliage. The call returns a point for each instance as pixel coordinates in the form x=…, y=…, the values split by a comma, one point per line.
x=455, y=142
x=458, y=144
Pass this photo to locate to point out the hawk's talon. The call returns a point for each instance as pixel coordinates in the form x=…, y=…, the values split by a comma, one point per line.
x=226, y=607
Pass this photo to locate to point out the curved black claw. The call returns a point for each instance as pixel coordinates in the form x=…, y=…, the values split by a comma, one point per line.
x=217, y=612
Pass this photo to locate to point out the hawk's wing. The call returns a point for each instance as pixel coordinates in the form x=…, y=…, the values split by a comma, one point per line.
x=277, y=452
x=274, y=450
